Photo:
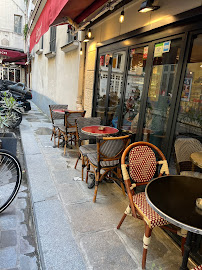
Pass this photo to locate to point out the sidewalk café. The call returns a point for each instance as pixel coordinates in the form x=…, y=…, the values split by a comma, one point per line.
x=145, y=79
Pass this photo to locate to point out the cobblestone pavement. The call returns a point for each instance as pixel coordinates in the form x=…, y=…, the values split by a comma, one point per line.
x=17, y=236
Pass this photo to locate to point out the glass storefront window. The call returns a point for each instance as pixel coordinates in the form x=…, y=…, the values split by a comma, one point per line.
x=115, y=89
x=5, y=74
x=102, y=85
x=110, y=87
x=165, y=63
x=11, y=74
x=17, y=75
x=134, y=88
x=189, y=120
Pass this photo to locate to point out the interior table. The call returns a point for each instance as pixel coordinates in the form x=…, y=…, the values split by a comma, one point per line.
x=174, y=198
x=99, y=131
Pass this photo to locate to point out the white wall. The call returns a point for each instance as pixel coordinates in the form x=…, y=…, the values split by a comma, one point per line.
x=9, y=39
x=55, y=80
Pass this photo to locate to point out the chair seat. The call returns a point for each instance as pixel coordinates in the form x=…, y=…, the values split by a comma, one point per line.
x=69, y=130
x=88, y=149
x=192, y=174
x=150, y=216
x=93, y=159
x=197, y=268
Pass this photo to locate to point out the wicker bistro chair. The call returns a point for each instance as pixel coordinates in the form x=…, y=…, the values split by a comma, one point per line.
x=56, y=118
x=68, y=131
x=198, y=267
x=86, y=148
x=184, y=147
x=141, y=169
x=107, y=158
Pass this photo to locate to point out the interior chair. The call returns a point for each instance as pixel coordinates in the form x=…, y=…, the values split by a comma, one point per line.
x=140, y=162
x=57, y=119
x=68, y=131
x=184, y=147
x=85, y=149
x=107, y=158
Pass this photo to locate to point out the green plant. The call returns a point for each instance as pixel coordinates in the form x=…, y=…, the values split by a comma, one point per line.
x=25, y=30
x=153, y=267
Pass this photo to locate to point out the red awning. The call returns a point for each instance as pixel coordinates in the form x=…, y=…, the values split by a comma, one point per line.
x=18, y=60
x=55, y=12
x=11, y=53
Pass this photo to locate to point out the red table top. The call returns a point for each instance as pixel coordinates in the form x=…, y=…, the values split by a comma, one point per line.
x=94, y=130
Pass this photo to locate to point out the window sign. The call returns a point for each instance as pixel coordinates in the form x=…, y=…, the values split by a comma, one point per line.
x=166, y=46
x=158, y=51
x=145, y=53
x=186, y=89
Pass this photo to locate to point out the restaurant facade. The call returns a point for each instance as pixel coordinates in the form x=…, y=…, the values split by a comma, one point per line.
x=142, y=76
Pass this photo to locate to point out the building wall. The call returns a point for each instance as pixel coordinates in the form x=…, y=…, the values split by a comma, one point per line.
x=56, y=80
x=9, y=39
x=110, y=28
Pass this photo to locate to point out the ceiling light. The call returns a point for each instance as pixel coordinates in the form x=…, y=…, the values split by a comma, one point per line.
x=147, y=6
x=81, y=51
x=121, y=18
x=89, y=33
x=86, y=39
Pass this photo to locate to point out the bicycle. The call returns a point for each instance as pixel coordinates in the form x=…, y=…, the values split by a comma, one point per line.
x=10, y=178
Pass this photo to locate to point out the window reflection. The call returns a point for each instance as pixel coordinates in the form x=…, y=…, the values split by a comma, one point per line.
x=134, y=88
x=189, y=120
x=166, y=56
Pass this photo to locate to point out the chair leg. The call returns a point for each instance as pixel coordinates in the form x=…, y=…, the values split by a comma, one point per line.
x=121, y=221
x=146, y=242
x=83, y=166
x=59, y=138
x=96, y=185
x=88, y=168
x=77, y=161
x=65, y=146
x=183, y=241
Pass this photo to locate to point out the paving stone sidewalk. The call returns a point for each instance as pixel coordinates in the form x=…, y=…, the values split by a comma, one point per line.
x=73, y=232
x=18, y=248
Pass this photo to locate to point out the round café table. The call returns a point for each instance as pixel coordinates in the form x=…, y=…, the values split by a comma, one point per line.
x=174, y=197
x=96, y=131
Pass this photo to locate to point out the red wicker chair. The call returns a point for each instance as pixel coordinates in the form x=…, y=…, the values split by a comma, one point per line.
x=142, y=168
x=198, y=267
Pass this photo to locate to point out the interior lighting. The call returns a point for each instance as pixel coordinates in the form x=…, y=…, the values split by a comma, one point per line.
x=121, y=18
x=81, y=51
x=89, y=33
x=148, y=6
x=86, y=39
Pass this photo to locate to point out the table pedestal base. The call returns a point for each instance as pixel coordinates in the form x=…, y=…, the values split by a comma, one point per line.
x=187, y=248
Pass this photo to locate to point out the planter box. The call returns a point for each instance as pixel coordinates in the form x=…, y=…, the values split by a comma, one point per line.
x=9, y=142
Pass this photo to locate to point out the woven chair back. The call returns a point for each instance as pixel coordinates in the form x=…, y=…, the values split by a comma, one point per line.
x=142, y=161
x=72, y=116
x=56, y=115
x=112, y=147
x=84, y=122
x=184, y=147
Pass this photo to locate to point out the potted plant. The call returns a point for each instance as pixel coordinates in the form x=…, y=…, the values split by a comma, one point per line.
x=8, y=140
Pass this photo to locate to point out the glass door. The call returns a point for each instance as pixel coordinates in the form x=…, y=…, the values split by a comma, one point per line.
x=102, y=85
x=109, y=86
x=134, y=88
x=161, y=87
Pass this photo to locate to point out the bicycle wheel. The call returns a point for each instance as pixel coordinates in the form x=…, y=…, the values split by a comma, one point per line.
x=10, y=178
